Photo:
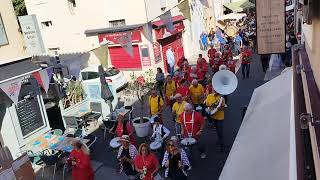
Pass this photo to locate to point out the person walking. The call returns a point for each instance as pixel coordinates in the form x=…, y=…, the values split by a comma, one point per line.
x=192, y=126
x=126, y=155
x=175, y=161
x=204, y=40
x=170, y=88
x=202, y=64
x=146, y=163
x=238, y=43
x=155, y=105
x=79, y=160
x=123, y=127
x=197, y=94
x=170, y=61
x=246, y=58
x=160, y=81
x=211, y=53
x=211, y=37
x=184, y=90
x=215, y=113
x=177, y=110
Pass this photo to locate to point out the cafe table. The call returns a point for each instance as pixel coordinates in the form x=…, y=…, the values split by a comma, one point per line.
x=52, y=142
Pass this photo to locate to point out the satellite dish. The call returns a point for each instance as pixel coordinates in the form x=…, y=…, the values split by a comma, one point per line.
x=224, y=82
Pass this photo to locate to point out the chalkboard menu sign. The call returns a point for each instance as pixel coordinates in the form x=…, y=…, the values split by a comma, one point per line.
x=29, y=115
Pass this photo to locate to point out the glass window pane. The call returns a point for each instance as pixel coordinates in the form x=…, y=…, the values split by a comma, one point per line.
x=3, y=35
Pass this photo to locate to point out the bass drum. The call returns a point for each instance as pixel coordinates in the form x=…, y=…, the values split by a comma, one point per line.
x=231, y=31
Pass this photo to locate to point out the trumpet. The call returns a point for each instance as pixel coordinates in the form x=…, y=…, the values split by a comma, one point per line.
x=143, y=175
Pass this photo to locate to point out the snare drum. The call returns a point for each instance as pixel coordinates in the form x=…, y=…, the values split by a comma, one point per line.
x=115, y=143
x=188, y=141
x=155, y=145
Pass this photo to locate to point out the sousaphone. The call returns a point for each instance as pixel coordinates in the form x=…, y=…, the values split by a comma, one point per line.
x=224, y=82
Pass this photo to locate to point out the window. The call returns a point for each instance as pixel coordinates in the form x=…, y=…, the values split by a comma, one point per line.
x=46, y=24
x=89, y=75
x=112, y=72
x=117, y=23
x=145, y=52
x=3, y=35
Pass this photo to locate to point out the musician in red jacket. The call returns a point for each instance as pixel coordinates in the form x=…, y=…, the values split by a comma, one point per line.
x=192, y=126
x=226, y=53
x=216, y=62
x=211, y=53
x=202, y=64
x=246, y=58
x=231, y=64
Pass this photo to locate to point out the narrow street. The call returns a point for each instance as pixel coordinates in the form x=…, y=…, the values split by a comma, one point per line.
x=209, y=168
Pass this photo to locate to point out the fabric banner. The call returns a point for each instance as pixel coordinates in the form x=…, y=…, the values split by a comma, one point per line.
x=270, y=26
x=12, y=89
x=185, y=9
x=147, y=31
x=167, y=20
x=102, y=54
x=126, y=43
x=43, y=78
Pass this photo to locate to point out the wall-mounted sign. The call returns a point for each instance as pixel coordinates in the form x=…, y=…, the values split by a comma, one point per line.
x=145, y=57
x=157, y=52
x=270, y=26
x=31, y=34
x=113, y=37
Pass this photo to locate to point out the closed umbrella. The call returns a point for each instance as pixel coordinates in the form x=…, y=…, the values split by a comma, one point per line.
x=106, y=93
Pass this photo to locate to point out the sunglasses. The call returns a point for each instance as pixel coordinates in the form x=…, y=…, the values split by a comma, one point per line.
x=171, y=145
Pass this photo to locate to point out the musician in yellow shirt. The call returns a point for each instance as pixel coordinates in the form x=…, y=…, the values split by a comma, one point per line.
x=197, y=95
x=215, y=112
x=155, y=105
x=170, y=88
x=177, y=109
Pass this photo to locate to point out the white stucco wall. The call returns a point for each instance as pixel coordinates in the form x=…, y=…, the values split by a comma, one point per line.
x=15, y=49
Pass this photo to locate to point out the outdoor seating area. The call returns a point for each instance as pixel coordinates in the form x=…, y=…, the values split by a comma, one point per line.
x=49, y=152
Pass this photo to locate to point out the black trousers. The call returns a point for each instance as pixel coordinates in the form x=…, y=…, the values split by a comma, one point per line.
x=219, y=124
x=245, y=70
x=265, y=63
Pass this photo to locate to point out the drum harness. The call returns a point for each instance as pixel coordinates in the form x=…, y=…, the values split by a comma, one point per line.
x=192, y=122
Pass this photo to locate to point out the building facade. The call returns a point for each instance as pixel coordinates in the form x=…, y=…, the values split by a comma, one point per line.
x=82, y=25
x=22, y=113
x=11, y=40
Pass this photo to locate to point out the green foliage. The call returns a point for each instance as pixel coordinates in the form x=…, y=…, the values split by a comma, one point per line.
x=19, y=7
x=75, y=93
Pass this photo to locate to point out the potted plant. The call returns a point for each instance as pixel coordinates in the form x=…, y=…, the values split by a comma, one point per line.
x=140, y=87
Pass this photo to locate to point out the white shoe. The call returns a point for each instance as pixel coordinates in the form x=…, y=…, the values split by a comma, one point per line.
x=225, y=105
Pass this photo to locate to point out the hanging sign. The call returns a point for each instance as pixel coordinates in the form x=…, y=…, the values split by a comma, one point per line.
x=12, y=89
x=126, y=43
x=270, y=26
x=157, y=52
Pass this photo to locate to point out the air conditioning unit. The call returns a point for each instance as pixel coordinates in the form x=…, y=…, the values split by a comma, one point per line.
x=307, y=11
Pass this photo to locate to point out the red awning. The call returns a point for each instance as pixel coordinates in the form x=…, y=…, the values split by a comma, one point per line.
x=175, y=19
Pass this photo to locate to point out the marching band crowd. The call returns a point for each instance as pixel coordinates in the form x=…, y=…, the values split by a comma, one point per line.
x=193, y=101
x=189, y=94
